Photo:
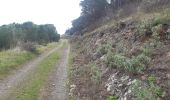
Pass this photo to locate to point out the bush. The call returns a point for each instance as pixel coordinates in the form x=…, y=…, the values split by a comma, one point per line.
x=135, y=64
x=29, y=46
x=113, y=98
x=147, y=91
x=104, y=49
x=159, y=20
x=96, y=73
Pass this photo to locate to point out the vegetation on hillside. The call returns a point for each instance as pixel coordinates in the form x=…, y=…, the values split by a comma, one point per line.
x=95, y=12
x=125, y=58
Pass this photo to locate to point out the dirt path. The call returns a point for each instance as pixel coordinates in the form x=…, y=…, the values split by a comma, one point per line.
x=8, y=85
x=56, y=87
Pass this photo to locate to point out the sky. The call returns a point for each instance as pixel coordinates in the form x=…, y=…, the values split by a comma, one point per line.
x=57, y=12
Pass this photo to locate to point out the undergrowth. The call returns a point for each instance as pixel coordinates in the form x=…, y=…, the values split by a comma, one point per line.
x=11, y=59
x=149, y=91
x=134, y=64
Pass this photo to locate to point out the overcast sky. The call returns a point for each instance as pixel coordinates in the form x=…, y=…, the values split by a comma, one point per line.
x=57, y=12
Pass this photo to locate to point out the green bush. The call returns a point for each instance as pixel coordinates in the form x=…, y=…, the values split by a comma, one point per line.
x=135, y=64
x=149, y=91
x=113, y=98
x=103, y=49
x=96, y=73
x=159, y=20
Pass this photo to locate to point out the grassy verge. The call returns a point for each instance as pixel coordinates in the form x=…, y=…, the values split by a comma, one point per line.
x=70, y=76
x=42, y=49
x=32, y=87
x=12, y=59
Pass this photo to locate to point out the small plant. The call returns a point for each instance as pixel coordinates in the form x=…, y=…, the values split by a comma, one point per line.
x=148, y=91
x=113, y=98
x=159, y=20
x=96, y=74
x=29, y=46
x=135, y=64
x=104, y=49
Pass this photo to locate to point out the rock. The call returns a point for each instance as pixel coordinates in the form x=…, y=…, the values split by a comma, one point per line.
x=168, y=76
x=73, y=86
x=119, y=86
x=9, y=86
x=168, y=30
x=108, y=87
x=124, y=78
x=103, y=58
x=144, y=77
x=129, y=91
x=96, y=56
x=98, y=42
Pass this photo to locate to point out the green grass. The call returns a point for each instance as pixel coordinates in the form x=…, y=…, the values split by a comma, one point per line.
x=42, y=49
x=32, y=88
x=11, y=59
x=149, y=91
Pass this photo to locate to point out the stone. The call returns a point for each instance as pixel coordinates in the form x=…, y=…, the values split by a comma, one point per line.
x=103, y=58
x=124, y=78
x=73, y=86
x=168, y=75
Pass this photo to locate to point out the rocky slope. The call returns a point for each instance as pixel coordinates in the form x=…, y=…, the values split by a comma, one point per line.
x=127, y=59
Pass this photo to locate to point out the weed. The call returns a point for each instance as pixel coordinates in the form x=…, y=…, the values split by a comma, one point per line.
x=113, y=98
x=135, y=64
x=159, y=20
x=148, y=91
x=102, y=50
x=11, y=59
x=96, y=74
x=42, y=49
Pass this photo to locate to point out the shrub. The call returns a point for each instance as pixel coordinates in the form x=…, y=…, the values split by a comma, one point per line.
x=135, y=64
x=29, y=46
x=149, y=91
x=113, y=98
x=96, y=73
x=159, y=20
x=104, y=49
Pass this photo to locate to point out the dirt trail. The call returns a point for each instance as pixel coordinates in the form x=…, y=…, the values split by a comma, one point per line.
x=8, y=85
x=56, y=87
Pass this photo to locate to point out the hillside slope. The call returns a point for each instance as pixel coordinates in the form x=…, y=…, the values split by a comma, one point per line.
x=127, y=59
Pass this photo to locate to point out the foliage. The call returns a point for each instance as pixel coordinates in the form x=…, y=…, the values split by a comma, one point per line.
x=15, y=34
x=96, y=73
x=31, y=47
x=134, y=64
x=149, y=91
x=11, y=59
x=42, y=48
x=160, y=20
x=93, y=11
x=113, y=98
x=103, y=49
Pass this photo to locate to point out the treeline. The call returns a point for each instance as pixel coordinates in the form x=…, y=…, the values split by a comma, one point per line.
x=15, y=34
x=94, y=10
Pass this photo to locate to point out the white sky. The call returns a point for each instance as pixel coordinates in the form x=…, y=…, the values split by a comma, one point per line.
x=57, y=12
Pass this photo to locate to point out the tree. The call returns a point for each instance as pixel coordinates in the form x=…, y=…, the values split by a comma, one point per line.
x=13, y=34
